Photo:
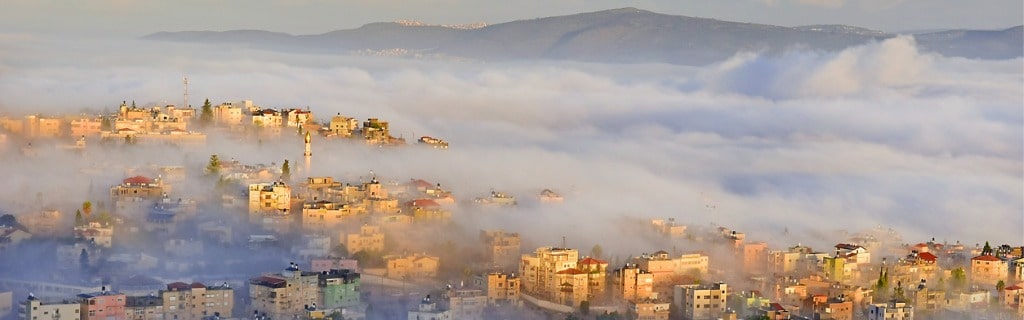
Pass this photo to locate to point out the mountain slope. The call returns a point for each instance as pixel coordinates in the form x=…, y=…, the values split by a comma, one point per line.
x=975, y=44
x=627, y=35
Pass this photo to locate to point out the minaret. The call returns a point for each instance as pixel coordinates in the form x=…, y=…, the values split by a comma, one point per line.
x=309, y=152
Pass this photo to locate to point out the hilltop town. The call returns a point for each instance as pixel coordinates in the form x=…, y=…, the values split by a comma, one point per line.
x=277, y=242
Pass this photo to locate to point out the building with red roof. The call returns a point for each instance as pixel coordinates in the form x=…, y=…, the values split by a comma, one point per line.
x=138, y=187
x=927, y=257
x=574, y=280
x=284, y=295
x=988, y=270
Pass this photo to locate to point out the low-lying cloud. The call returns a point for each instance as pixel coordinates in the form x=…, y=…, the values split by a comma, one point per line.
x=880, y=134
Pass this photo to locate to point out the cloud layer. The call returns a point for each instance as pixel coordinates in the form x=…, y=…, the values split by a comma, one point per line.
x=874, y=135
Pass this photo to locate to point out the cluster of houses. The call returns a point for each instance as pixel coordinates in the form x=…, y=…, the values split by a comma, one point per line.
x=176, y=125
x=365, y=228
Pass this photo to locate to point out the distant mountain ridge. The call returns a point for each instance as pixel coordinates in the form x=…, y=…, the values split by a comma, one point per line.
x=626, y=35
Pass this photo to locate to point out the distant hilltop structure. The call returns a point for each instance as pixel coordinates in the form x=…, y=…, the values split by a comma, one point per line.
x=463, y=26
x=434, y=142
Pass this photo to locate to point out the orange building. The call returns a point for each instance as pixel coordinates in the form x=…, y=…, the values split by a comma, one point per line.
x=632, y=283
x=103, y=305
x=755, y=257
x=85, y=127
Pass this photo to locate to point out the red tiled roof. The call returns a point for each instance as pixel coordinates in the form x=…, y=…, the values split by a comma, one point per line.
x=570, y=271
x=138, y=180
x=423, y=203
x=197, y=285
x=1013, y=288
x=777, y=307
x=268, y=281
x=589, y=261
x=927, y=256
x=177, y=286
x=985, y=258
x=420, y=183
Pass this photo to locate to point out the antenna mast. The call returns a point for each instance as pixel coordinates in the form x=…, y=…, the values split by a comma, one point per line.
x=186, y=93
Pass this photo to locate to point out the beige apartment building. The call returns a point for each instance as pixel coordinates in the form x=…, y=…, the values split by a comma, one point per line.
x=229, y=114
x=326, y=215
x=138, y=187
x=466, y=303
x=284, y=295
x=701, y=302
x=369, y=238
x=197, y=301
x=667, y=271
x=558, y=275
x=989, y=269
x=35, y=309
x=502, y=248
x=86, y=127
x=342, y=126
x=502, y=288
x=270, y=198
x=37, y=126
x=149, y=307
x=650, y=309
x=412, y=267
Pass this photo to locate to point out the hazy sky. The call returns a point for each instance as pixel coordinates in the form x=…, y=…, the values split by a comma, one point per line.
x=139, y=17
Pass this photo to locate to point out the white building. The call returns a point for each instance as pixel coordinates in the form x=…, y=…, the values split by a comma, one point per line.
x=890, y=311
x=427, y=310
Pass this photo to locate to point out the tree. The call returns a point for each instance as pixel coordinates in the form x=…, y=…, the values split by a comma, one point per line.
x=882, y=285
x=213, y=167
x=987, y=250
x=340, y=250
x=597, y=252
x=105, y=124
x=897, y=293
x=585, y=307
x=83, y=259
x=206, y=115
x=87, y=208
x=958, y=278
x=1000, y=286
x=370, y=259
x=79, y=221
x=286, y=171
